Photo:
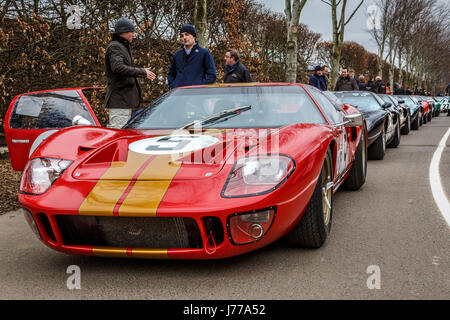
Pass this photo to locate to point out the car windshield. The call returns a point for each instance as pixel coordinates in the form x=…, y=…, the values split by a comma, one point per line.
x=416, y=98
x=364, y=101
x=387, y=98
x=271, y=106
x=408, y=101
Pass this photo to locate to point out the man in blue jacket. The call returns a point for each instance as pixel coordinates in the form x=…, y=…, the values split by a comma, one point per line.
x=316, y=80
x=191, y=65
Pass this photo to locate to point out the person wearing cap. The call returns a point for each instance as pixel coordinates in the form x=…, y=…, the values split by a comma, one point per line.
x=235, y=71
x=316, y=80
x=191, y=65
x=124, y=92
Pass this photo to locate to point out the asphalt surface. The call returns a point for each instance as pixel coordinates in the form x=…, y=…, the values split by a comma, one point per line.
x=392, y=223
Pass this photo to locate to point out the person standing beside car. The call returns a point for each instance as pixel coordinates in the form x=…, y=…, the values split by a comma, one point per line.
x=316, y=78
x=191, y=65
x=379, y=86
x=345, y=83
x=324, y=78
x=235, y=71
x=124, y=92
x=362, y=83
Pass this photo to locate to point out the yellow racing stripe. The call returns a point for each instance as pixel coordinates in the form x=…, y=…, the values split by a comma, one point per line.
x=103, y=198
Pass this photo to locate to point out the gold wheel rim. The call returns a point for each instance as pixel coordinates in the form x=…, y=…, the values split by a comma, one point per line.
x=327, y=189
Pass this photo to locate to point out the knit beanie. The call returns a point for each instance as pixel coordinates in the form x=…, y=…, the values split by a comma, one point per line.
x=124, y=25
x=189, y=28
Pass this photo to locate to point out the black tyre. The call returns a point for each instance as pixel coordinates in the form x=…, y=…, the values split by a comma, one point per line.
x=424, y=119
x=407, y=127
x=378, y=149
x=416, y=123
x=357, y=176
x=429, y=116
x=314, y=227
x=397, y=136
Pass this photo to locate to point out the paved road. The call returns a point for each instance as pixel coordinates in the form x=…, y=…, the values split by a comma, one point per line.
x=392, y=223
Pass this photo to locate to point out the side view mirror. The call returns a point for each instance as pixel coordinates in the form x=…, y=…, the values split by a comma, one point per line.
x=353, y=120
x=386, y=105
x=80, y=121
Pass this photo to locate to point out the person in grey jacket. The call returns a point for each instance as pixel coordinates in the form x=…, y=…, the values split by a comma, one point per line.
x=124, y=92
x=345, y=83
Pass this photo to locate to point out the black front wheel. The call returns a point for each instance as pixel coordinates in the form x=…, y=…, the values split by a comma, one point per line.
x=378, y=149
x=314, y=227
x=416, y=123
x=397, y=136
x=357, y=176
x=407, y=127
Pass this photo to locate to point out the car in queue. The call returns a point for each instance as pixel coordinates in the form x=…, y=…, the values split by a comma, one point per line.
x=382, y=121
x=204, y=172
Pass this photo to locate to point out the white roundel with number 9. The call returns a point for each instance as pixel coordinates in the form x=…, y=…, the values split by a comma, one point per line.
x=172, y=144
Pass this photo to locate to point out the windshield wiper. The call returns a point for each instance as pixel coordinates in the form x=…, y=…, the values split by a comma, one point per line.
x=217, y=116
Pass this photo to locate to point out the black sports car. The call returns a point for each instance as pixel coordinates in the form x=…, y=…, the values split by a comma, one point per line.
x=415, y=108
x=382, y=119
x=403, y=111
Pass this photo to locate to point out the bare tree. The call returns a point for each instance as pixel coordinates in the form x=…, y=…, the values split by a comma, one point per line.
x=338, y=32
x=293, y=19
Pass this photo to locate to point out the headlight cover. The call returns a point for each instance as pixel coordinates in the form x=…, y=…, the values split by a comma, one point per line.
x=257, y=175
x=40, y=173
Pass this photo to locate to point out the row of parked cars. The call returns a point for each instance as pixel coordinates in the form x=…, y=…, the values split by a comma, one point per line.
x=203, y=172
x=390, y=116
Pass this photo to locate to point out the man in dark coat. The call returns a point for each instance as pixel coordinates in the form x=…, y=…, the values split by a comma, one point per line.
x=235, y=71
x=324, y=78
x=124, y=92
x=345, y=83
x=316, y=78
x=379, y=86
x=191, y=65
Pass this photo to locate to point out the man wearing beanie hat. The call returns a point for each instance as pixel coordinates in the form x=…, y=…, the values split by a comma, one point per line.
x=191, y=65
x=316, y=79
x=124, y=92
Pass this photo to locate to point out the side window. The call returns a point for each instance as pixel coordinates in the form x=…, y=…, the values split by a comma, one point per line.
x=328, y=107
x=49, y=110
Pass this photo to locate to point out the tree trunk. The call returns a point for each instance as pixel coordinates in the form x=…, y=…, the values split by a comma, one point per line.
x=293, y=20
x=200, y=23
x=291, y=55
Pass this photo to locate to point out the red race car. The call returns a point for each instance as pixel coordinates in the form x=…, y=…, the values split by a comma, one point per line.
x=204, y=172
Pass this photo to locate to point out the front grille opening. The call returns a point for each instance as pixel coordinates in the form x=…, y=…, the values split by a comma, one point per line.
x=47, y=226
x=214, y=226
x=130, y=232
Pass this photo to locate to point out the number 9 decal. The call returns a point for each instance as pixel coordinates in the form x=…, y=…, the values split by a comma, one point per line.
x=172, y=144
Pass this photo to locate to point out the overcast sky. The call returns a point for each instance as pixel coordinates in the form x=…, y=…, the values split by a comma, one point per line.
x=317, y=16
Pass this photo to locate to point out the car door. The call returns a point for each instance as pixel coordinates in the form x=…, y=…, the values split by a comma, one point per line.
x=335, y=116
x=32, y=117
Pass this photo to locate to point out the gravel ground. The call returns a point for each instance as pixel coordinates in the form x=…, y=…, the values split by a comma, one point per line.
x=10, y=184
